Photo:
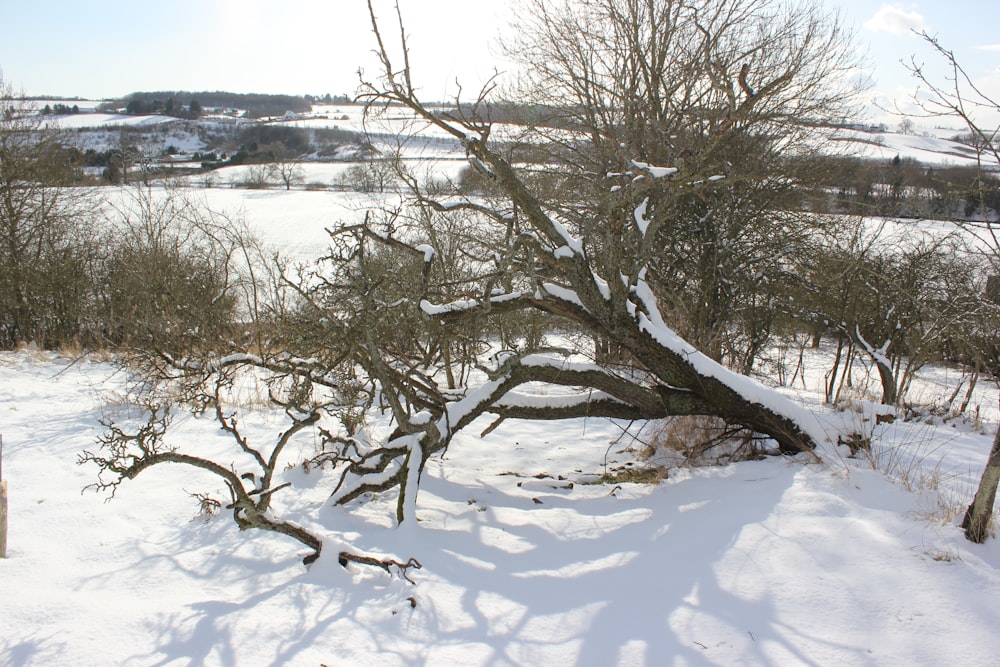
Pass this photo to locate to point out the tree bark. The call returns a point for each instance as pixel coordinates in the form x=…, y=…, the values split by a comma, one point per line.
x=3, y=506
x=977, y=517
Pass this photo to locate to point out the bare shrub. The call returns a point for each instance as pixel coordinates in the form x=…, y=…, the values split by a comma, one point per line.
x=208, y=507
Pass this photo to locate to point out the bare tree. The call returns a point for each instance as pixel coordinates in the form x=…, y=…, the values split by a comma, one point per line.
x=46, y=249
x=898, y=303
x=374, y=176
x=256, y=176
x=171, y=281
x=960, y=97
x=285, y=168
x=726, y=94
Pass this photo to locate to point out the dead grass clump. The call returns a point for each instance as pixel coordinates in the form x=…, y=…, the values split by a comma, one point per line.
x=631, y=474
x=702, y=440
x=71, y=349
x=32, y=351
x=915, y=459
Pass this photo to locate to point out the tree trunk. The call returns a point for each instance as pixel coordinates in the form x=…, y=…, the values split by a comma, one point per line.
x=977, y=517
x=832, y=384
x=3, y=518
x=888, y=380
x=973, y=380
x=3, y=506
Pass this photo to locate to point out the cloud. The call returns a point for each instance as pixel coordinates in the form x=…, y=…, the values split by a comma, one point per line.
x=988, y=47
x=896, y=20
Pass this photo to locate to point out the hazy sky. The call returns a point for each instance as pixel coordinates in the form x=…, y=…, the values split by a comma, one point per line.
x=108, y=48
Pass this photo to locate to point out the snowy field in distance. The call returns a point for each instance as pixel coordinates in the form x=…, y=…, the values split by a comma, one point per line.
x=935, y=150
x=931, y=146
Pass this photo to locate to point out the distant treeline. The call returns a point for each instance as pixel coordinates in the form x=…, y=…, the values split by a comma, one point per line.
x=535, y=115
x=256, y=104
x=59, y=108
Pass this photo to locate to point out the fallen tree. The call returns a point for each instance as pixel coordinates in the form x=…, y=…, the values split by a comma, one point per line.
x=594, y=280
x=438, y=307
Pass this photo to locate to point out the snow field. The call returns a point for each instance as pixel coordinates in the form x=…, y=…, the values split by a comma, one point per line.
x=760, y=563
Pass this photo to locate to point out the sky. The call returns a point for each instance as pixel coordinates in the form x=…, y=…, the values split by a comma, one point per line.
x=109, y=48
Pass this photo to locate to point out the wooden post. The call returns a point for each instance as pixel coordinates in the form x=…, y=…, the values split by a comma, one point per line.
x=3, y=506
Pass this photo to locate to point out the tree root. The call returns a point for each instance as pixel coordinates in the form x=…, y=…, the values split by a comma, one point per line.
x=386, y=564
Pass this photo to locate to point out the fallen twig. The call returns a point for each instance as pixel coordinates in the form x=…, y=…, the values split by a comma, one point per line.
x=386, y=564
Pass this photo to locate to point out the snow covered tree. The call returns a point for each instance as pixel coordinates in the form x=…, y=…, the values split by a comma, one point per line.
x=656, y=121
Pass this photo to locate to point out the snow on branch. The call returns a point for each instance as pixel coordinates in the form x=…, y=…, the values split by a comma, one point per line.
x=599, y=393
x=651, y=322
x=563, y=294
x=880, y=355
x=428, y=251
x=572, y=242
x=654, y=171
x=514, y=400
x=514, y=299
x=640, y=216
x=459, y=306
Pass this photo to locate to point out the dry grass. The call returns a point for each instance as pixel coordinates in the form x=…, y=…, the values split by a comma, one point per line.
x=914, y=458
x=699, y=440
x=634, y=475
x=942, y=554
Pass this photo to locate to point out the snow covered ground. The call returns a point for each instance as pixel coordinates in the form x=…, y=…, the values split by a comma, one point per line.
x=104, y=120
x=930, y=147
x=776, y=562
